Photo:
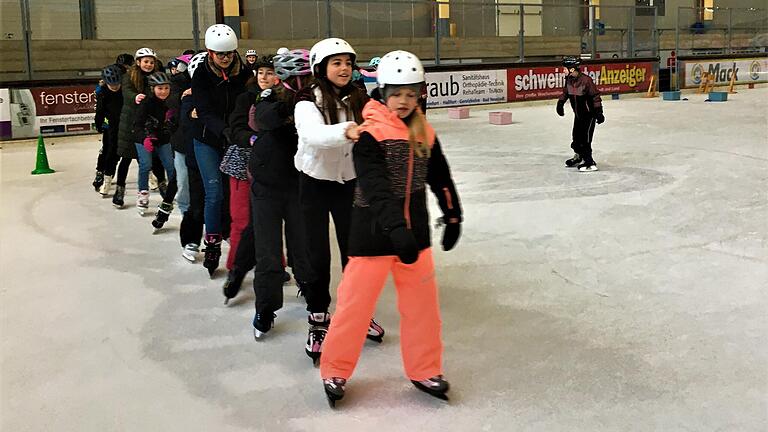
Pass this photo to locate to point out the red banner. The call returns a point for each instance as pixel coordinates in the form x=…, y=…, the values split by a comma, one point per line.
x=64, y=100
x=547, y=82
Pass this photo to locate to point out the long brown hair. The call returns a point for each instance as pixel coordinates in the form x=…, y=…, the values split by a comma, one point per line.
x=331, y=100
x=138, y=76
x=417, y=134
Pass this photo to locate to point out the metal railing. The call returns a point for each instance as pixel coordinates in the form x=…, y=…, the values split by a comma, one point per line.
x=41, y=38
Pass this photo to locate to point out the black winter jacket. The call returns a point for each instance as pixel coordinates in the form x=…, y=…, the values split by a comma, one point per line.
x=214, y=93
x=126, y=145
x=179, y=83
x=109, y=104
x=382, y=180
x=583, y=95
x=151, y=121
x=271, y=164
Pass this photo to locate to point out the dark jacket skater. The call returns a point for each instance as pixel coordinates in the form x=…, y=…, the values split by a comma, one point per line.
x=126, y=144
x=108, y=107
x=179, y=84
x=274, y=192
x=584, y=97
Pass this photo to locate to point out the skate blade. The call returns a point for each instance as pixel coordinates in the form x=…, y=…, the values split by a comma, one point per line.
x=258, y=335
x=377, y=339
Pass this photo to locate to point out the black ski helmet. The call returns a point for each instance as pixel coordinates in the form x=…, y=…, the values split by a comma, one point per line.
x=571, y=62
x=158, y=78
x=125, y=59
x=264, y=61
x=112, y=74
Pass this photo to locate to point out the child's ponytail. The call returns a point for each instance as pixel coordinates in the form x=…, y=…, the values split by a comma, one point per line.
x=417, y=134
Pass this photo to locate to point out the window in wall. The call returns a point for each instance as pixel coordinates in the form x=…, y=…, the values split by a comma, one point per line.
x=596, y=4
x=709, y=10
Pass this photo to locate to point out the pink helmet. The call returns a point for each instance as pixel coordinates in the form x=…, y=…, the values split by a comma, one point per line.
x=184, y=58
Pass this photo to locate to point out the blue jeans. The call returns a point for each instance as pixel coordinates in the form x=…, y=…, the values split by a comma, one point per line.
x=182, y=194
x=208, y=160
x=165, y=153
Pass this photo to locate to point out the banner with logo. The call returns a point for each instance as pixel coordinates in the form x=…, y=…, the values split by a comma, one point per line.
x=744, y=71
x=61, y=110
x=546, y=82
x=446, y=89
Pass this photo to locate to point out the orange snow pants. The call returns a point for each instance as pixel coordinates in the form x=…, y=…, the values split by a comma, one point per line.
x=361, y=285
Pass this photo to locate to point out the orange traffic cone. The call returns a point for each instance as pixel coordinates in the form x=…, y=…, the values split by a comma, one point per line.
x=41, y=165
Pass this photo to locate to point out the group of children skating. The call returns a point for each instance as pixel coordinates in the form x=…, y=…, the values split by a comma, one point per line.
x=272, y=148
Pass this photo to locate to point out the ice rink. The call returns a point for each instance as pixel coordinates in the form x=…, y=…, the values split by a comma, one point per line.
x=630, y=299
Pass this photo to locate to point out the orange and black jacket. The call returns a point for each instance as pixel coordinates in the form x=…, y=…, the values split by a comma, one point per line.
x=391, y=184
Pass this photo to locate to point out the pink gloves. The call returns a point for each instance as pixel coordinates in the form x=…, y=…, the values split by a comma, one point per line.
x=149, y=143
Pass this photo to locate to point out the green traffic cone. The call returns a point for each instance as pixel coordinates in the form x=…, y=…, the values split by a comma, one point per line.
x=41, y=166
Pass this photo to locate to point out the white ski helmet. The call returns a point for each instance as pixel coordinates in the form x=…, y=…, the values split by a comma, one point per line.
x=251, y=52
x=399, y=68
x=327, y=48
x=283, y=50
x=145, y=52
x=220, y=38
x=196, y=61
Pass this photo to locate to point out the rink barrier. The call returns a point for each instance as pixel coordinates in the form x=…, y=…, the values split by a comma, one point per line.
x=500, y=117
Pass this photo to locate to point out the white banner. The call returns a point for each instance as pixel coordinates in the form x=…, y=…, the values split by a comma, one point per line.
x=466, y=87
x=5, y=114
x=749, y=70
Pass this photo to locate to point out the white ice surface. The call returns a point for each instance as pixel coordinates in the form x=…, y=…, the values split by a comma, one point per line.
x=630, y=299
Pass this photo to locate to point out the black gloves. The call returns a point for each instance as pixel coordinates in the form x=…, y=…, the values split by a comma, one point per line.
x=599, y=116
x=451, y=235
x=405, y=244
x=560, y=110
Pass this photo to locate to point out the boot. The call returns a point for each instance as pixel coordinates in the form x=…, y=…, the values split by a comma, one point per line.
x=98, y=180
x=118, y=198
x=212, y=253
x=163, y=213
x=105, y=188
x=232, y=284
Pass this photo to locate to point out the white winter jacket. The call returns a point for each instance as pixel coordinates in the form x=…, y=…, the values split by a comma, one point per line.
x=324, y=151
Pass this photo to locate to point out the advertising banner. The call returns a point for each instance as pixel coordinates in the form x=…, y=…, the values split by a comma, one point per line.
x=546, y=82
x=62, y=110
x=5, y=114
x=746, y=71
x=445, y=89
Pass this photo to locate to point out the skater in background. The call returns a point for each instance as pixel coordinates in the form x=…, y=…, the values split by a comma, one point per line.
x=134, y=88
x=153, y=126
x=235, y=165
x=215, y=87
x=396, y=157
x=584, y=97
x=180, y=83
x=327, y=122
x=191, y=228
x=250, y=60
x=268, y=127
x=109, y=103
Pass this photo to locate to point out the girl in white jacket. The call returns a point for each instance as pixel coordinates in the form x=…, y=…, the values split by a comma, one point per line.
x=327, y=121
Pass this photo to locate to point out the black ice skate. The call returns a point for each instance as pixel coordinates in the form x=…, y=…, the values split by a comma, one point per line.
x=212, y=253
x=163, y=213
x=435, y=386
x=318, y=328
x=334, y=390
x=587, y=166
x=118, y=200
x=232, y=284
x=375, y=331
x=98, y=181
x=262, y=323
x=574, y=161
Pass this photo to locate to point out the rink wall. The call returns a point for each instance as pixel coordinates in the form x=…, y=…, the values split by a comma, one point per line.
x=743, y=70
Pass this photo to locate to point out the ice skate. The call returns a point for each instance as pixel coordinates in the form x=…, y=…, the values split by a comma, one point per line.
x=163, y=213
x=262, y=323
x=232, y=284
x=119, y=197
x=588, y=166
x=190, y=252
x=435, y=386
x=106, y=187
x=375, y=331
x=98, y=181
x=574, y=161
x=334, y=390
x=142, y=202
x=318, y=328
x=212, y=253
